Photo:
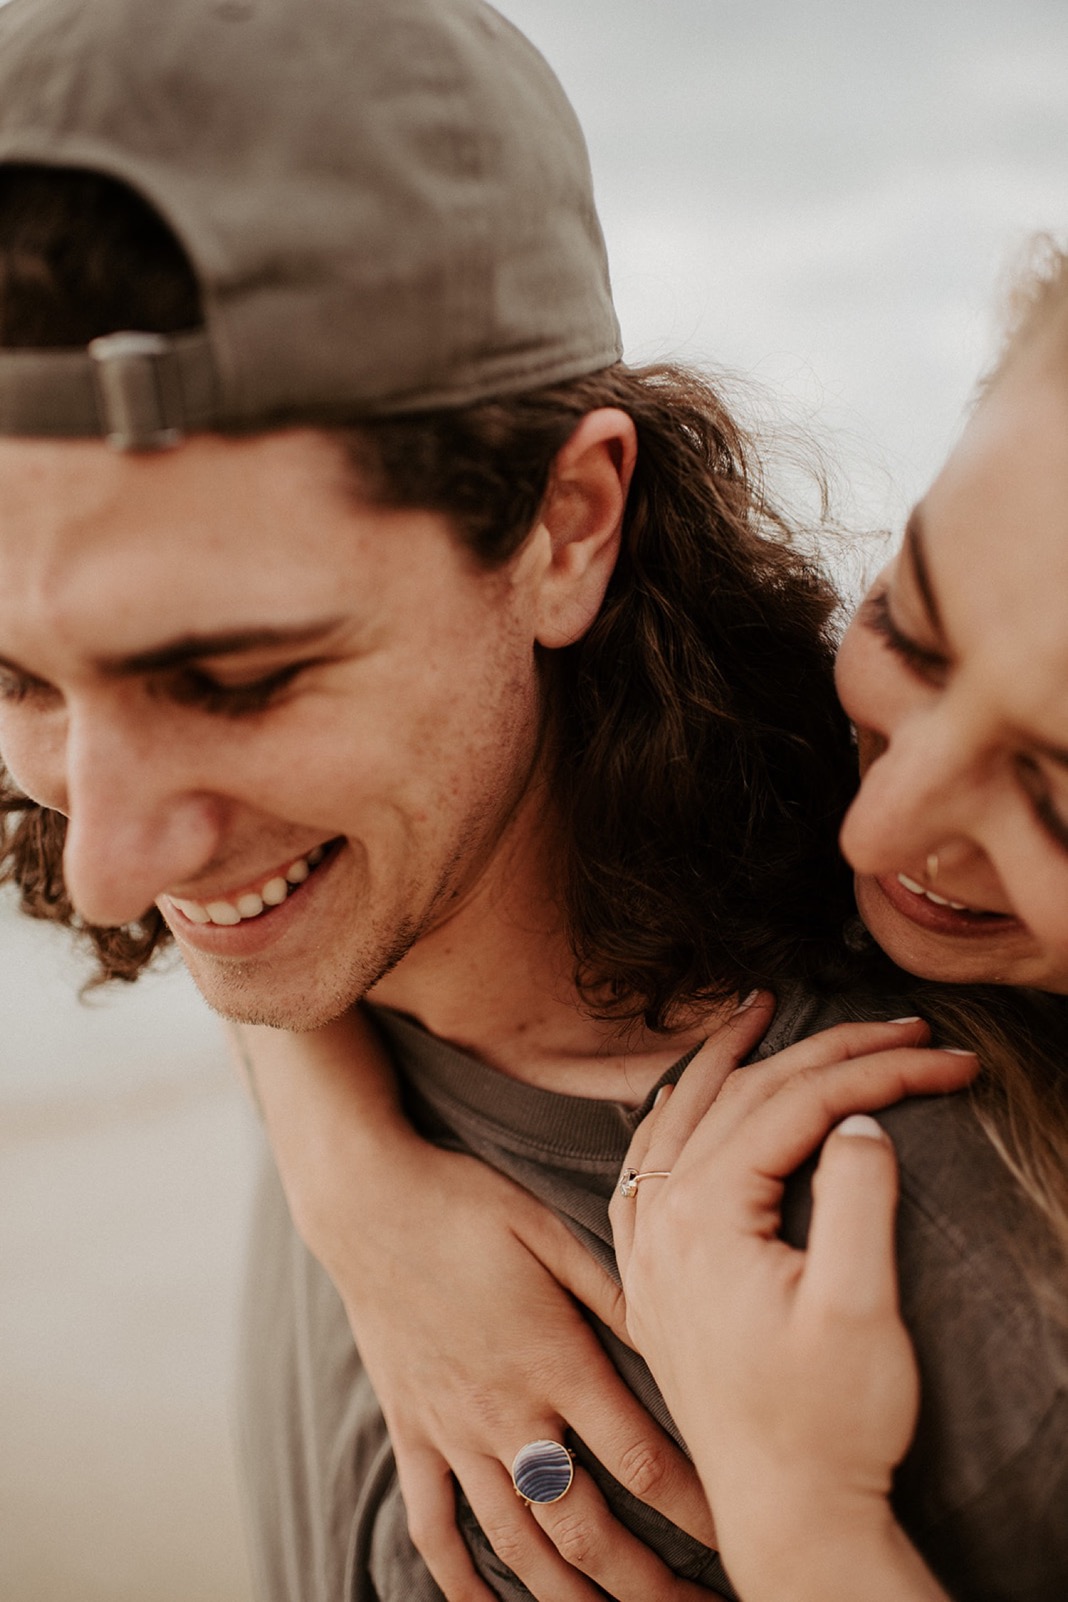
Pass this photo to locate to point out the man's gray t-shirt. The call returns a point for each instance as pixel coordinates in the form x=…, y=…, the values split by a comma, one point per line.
x=983, y=1491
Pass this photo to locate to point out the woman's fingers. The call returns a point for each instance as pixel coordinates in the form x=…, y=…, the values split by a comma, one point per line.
x=670, y=1125
x=662, y=1135
x=516, y=1537
x=701, y=1080
x=757, y=1082
x=847, y=1300
x=591, y=1540
x=550, y=1241
x=776, y=1134
x=850, y=1257
x=636, y=1452
x=571, y=1550
x=429, y=1493
x=770, y=1116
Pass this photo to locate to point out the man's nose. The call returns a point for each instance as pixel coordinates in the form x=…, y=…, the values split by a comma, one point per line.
x=140, y=819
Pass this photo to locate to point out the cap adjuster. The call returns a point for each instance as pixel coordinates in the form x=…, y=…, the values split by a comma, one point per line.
x=138, y=390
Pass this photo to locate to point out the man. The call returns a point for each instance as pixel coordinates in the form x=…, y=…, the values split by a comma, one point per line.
x=367, y=627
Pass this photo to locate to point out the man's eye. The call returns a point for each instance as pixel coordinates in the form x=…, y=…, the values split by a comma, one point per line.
x=193, y=687
x=925, y=664
x=17, y=689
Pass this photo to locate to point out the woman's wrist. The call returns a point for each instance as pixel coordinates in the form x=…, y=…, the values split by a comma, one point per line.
x=823, y=1549
x=331, y=1111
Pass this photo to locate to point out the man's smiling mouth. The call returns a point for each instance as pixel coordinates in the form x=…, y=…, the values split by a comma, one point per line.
x=258, y=899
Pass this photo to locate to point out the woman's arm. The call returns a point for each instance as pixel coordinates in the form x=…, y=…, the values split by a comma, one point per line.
x=461, y=1291
x=789, y=1373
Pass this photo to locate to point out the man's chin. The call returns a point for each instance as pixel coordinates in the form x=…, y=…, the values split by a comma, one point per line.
x=298, y=1018
x=298, y=1007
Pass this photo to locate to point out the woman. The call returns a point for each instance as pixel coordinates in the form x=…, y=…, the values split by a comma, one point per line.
x=960, y=650
x=778, y=1344
x=956, y=674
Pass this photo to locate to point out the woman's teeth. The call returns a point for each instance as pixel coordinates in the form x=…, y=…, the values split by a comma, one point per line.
x=939, y=901
x=252, y=902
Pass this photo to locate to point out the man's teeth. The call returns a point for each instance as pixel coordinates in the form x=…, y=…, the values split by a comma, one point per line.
x=939, y=901
x=249, y=905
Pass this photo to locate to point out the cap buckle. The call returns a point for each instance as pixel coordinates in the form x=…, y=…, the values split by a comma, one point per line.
x=138, y=391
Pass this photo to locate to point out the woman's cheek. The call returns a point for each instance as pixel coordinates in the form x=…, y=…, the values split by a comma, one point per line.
x=870, y=747
x=856, y=676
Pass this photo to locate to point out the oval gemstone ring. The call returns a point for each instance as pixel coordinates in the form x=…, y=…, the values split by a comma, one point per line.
x=542, y=1471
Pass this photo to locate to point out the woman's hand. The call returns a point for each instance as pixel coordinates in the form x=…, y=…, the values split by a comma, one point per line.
x=789, y=1373
x=456, y=1284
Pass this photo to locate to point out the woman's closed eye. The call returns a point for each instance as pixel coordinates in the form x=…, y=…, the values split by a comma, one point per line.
x=927, y=664
x=1037, y=789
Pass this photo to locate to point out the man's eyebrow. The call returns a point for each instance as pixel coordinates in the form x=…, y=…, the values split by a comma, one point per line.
x=227, y=642
x=917, y=559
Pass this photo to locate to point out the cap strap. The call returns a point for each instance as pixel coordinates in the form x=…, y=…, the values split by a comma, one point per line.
x=140, y=391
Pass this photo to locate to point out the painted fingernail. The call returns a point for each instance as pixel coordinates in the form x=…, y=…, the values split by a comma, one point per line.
x=958, y=1051
x=746, y=1002
x=662, y=1095
x=861, y=1124
x=914, y=1019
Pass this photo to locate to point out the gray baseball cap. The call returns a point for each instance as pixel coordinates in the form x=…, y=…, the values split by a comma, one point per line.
x=387, y=204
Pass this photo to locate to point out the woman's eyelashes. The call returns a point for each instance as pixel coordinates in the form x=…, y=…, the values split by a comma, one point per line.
x=930, y=667
x=926, y=664
x=1037, y=790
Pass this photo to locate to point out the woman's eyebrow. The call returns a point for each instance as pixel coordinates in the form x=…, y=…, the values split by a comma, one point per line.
x=921, y=573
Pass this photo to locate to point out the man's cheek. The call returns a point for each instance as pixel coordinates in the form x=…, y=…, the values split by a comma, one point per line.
x=35, y=768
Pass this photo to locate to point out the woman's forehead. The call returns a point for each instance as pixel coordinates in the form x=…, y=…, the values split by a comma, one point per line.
x=991, y=536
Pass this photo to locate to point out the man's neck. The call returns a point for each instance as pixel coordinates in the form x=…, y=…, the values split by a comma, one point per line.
x=495, y=979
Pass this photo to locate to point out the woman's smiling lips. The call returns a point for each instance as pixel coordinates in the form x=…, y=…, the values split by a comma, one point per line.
x=930, y=910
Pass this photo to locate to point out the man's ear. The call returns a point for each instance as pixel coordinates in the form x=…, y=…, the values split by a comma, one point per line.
x=580, y=523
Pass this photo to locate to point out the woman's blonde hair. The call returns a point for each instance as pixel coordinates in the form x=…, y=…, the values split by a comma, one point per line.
x=1035, y=308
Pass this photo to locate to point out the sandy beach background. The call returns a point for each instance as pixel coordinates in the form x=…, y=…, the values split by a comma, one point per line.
x=125, y=1150
x=821, y=195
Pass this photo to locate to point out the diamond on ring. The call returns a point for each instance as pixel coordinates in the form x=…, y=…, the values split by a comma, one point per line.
x=630, y=1179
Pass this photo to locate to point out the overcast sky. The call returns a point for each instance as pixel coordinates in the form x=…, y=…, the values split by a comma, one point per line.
x=823, y=194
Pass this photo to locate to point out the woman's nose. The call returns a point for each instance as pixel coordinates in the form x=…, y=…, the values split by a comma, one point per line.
x=909, y=805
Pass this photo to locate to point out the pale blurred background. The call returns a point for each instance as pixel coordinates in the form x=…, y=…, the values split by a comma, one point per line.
x=820, y=194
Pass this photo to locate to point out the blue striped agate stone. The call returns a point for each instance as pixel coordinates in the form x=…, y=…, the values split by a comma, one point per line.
x=542, y=1471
